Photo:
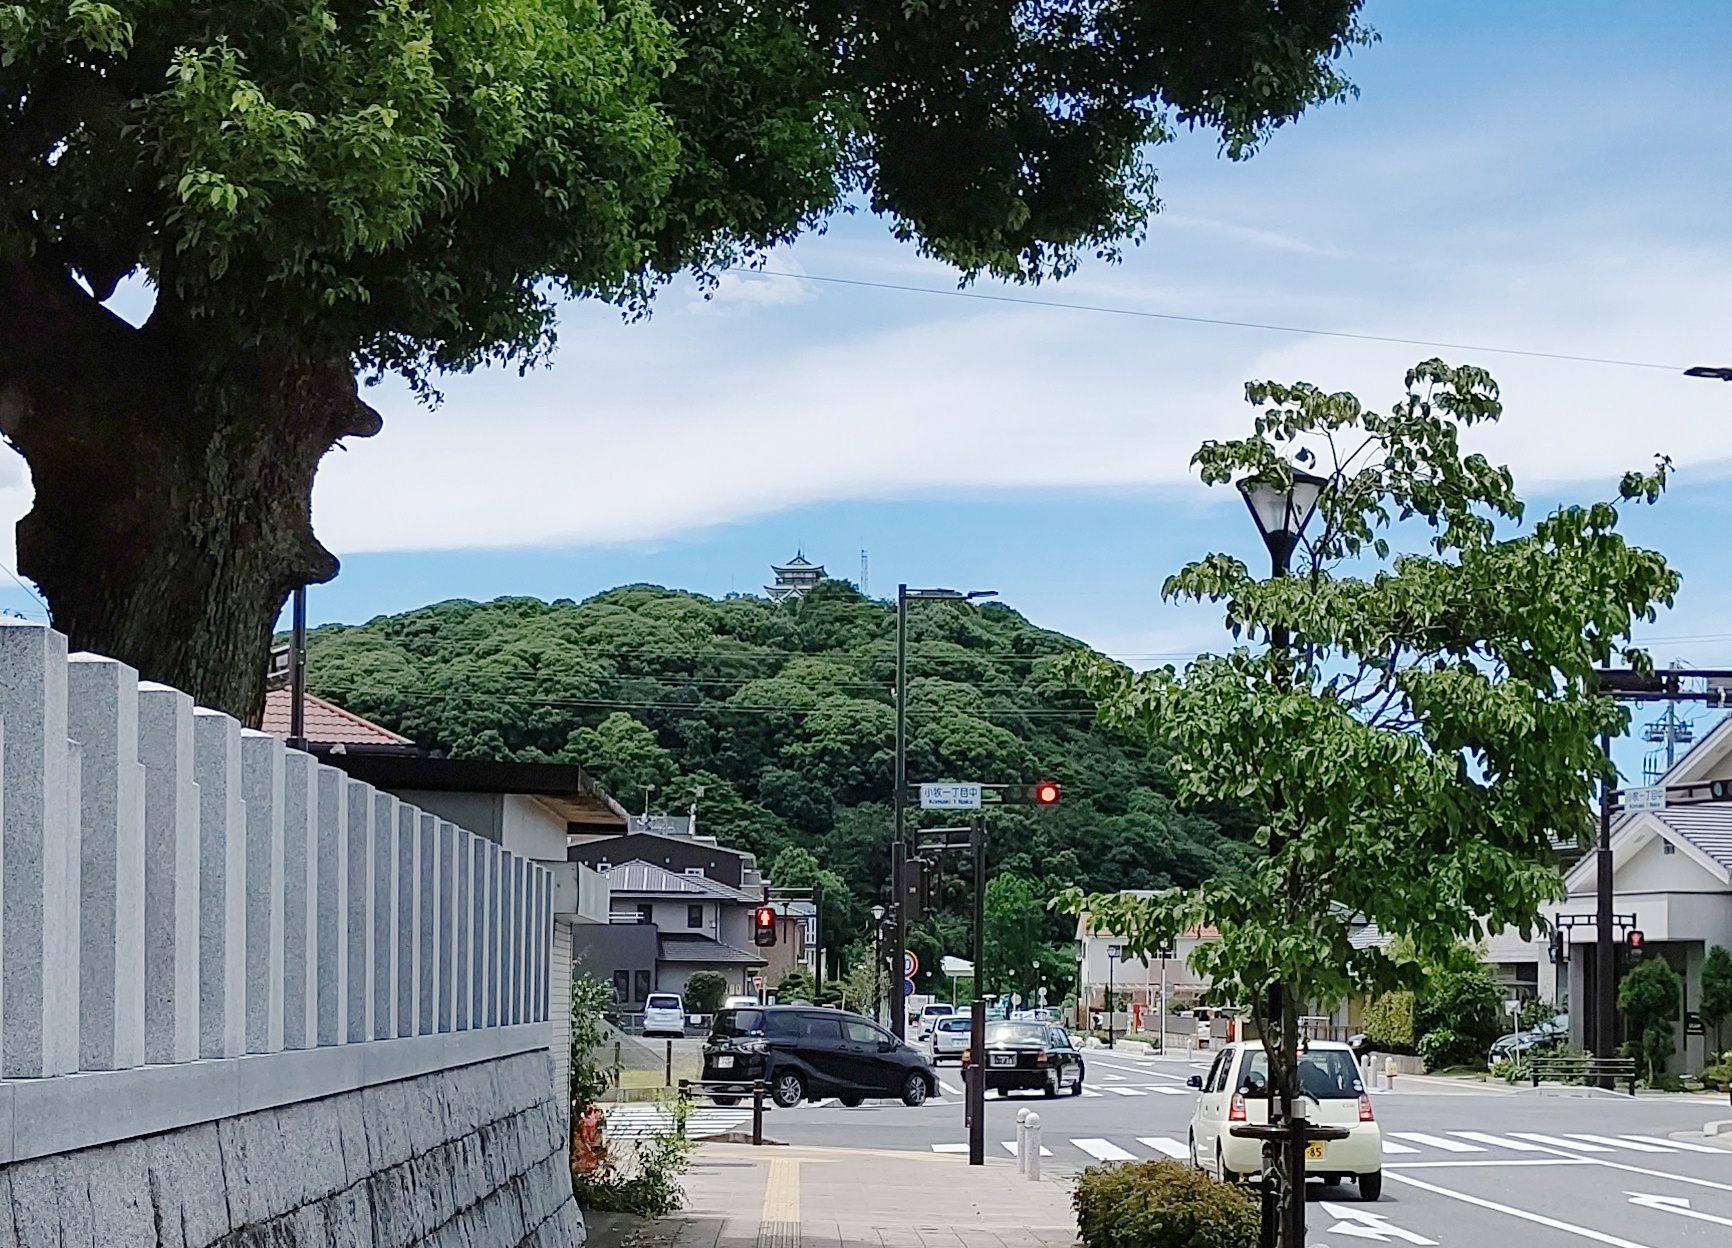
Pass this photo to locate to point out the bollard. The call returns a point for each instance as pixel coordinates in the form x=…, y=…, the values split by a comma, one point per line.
x=616, y=1064
x=670, y=1075
x=758, y=1112
x=681, y=1106
x=1022, y=1140
x=1031, y=1146
x=1389, y=1074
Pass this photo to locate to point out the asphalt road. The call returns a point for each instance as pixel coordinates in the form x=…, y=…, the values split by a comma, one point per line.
x=1471, y=1167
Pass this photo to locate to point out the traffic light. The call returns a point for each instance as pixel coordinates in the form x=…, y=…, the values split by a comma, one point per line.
x=1045, y=793
x=1557, y=950
x=1633, y=946
x=764, y=926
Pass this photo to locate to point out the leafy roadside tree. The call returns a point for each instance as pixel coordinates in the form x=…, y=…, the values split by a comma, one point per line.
x=1457, y=1014
x=705, y=992
x=1411, y=715
x=1716, y=1004
x=1650, y=997
x=314, y=189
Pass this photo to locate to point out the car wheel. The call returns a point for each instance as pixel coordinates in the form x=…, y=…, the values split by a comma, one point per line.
x=914, y=1090
x=788, y=1090
x=726, y=1100
x=1371, y=1185
x=1227, y=1176
x=852, y=1101
x=1051, y=1088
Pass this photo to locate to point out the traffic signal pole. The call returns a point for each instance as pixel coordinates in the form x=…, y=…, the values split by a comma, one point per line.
x=898, y=848
x=898, y=938
x=1605, y=949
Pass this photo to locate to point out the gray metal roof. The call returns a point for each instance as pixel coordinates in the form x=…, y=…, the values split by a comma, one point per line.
x=678, y=947
x=644, y=879
x=1708, y=828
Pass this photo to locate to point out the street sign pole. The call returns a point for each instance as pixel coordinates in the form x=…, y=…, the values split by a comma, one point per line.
x=898, y=937
x=1605, y=966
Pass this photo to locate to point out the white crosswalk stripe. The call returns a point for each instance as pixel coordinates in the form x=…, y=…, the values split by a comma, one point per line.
x=950, y=1148
x=948, y=1090
x=1558, y=1142
x=1092, y=1092
x=1634, y=1146
x=1165, y=1091
x=637, y=1122
x=1498, y=1141
x=1010, y=1147
x=1437, y=1141
x=1166, y=1144
x=1392, y=1149
x=1687, y=1147
x=1120, y=1078
x=1104, y=1150
x=1128, y=1091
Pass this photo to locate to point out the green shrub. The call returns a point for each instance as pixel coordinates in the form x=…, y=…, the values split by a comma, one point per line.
x=1718, y=1077
x=1162, y=1204
x=1457, y=1014
x=1651, y=996
x=643, y=1177
x=705, y=992
x=1389, y=1022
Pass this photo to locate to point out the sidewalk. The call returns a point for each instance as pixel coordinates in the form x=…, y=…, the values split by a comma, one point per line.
x=782, y=1197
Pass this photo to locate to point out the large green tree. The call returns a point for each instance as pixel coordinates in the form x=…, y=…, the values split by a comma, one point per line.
x=1412, y=715
x=319, y=187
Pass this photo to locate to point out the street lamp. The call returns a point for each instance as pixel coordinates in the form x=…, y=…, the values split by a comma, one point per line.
x=899, y=798
x=1113, y=952
x=1703, y=370
x=1281, y=510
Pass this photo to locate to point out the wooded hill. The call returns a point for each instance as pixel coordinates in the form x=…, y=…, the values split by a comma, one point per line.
x=783, y=713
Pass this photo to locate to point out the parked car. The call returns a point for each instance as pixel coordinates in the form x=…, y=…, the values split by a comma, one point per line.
x=1236, y=1090
x=736, y=1003
x=664, y=1014
x=1548, y=1034
x=806, y=1054
x=1033, y=1056
x=950, y=1037
x=931, y=1014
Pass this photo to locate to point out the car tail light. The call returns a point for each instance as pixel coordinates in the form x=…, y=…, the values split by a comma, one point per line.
x=967, y=1056
x=1236, y=1110
x=1040, y=1059
x=1365, y=1108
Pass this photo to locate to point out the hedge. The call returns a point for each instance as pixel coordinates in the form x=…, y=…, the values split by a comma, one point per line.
x=1162, y=1204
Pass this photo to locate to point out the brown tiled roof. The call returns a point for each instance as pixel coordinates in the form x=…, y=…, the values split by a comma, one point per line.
x=325, y=723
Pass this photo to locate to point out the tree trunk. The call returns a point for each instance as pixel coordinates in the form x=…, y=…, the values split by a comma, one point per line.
x=173, y=470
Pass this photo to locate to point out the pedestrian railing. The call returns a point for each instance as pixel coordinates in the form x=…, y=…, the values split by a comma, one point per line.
x=1584, y=1069
x=731, y=1091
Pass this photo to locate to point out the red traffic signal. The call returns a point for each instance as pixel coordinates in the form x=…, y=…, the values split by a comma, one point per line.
x=1633, y=943
x=764, y=926
x=1045, y=793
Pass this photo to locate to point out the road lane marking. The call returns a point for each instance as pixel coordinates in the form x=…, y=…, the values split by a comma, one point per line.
x=950, y=1148
x=1128, y=1091
x=1366, y=1224
x=1119, y=1077
x=1688, y=1148
x=1675, y=1204
x=1391, y=1149
x=1557, y=1142
x=1187, y=1092
x=1010, y=1147
x=1537, y=1218
x=1635, y=1146
x=948, y=1090
x=1659, y=1174
x=1104, y=1150
x=1438, y=1141
x=1501, y=1163
x=1166, y=1144
x=1092, y=1092
x=1498, y=1141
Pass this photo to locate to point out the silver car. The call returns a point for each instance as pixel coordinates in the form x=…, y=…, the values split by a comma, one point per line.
x=949, y=1037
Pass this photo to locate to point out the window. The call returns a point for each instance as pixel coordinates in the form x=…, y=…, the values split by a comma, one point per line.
x=697, y=871
x=1213, y=1081
x=646, y=912
x=1666, y=847
x=782, y=1024
x=694, y=916
x=662, y=1001
x=820, y=1027
x=643, y=986
x=621, y=987
x=1324, y=1074
x=863, y=1032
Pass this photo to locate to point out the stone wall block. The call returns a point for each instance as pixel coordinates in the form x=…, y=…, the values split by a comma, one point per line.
x=171, y=874
x=258, y=1176
x=332, y=825
x=360, y=1005
x=102, y=716
x=408, y=917
x=385, y=1111
x=264, y=782
x=386, y=881
x=222, y=897
x=39, y=922
x=350, y=1131
x=300, y=896
x=185, y=1185
x=304, y=1150
x=8, y=1231
x=462, y=916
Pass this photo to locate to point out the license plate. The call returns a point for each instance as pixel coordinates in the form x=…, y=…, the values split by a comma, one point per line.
x=1314, y=1151
x=724, y=1062
x=1004, y=1059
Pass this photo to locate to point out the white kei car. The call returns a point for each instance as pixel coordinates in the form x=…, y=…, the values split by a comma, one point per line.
x=664, y=1014
x=1234, y=1092
x=950, y=1037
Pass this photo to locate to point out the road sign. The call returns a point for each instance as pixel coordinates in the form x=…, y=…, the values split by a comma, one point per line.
x=950, y=797
x=910, y=965
x=1016, y=998
x=907, y=988
x=1648, y=797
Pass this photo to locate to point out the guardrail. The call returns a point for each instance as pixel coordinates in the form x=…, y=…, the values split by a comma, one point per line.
x=1584, y=1070
x=759, y=1089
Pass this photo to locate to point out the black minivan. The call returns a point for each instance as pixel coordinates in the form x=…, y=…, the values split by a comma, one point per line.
x=805, y=1054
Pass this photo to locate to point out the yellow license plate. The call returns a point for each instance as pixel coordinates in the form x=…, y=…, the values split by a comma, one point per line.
x=1314, y=1151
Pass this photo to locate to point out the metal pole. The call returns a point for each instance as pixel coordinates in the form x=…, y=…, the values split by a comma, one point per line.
x=898, y=1008
x=670, y=1075
x=977, y=1086
x=758, y=1112
x=298, y=672
x=977, y=848
x=898, y=940
x=1109, y=996
x=818, y=928
x=1605, y=1040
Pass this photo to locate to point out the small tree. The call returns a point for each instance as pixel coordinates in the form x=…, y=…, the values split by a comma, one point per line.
x=1650, y=997
x=1457, y=1015
x=1716, y=1004
x=705, y=991
x=796, y=985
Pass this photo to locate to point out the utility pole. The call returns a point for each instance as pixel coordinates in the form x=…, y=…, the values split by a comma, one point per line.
x=298, y=672
x=899, y=800
x=1605, y=950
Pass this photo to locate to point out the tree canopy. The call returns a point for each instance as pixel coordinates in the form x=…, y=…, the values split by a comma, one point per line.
x=782, y=712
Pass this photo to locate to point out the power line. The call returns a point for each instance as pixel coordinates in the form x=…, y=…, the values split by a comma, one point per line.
x=1271, y=327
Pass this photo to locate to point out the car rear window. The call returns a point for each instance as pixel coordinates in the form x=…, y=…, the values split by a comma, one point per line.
x=738, y=1022
x=953, y=1024
x=1016, y=1033
x=1324, y=1074
x=662, y=1001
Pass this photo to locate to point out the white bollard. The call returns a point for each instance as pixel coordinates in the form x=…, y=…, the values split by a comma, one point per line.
x=1022, y=1140
x=1389, y=1074
x=1030, y=1146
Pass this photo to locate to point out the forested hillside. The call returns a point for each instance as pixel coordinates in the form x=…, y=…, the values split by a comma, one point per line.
x=782, y=712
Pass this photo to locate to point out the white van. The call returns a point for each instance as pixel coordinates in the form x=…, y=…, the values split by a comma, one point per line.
x=929, y=1015
x=664, y=1014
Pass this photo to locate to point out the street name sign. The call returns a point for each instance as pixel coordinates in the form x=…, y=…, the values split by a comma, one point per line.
x=1648, y=797
x=950, y=796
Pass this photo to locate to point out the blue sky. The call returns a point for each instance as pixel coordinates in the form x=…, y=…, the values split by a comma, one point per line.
x=1552, y=177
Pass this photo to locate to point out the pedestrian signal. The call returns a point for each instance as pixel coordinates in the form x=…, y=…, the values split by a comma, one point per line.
x=764, y=926
x=1633, y=944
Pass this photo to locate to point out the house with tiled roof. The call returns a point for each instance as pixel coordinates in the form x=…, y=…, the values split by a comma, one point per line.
x=700, y=924
x=1671, y=870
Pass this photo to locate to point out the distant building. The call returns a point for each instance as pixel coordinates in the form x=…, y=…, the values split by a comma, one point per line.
x=794, y=578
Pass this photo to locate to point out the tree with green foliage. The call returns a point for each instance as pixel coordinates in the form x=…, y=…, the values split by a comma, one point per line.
x=1410, y=717
x=1650, y=996
x=705, y=992
x=797, y=867
x=1457, y=1014
x=1715, y=1006
x=315, y=189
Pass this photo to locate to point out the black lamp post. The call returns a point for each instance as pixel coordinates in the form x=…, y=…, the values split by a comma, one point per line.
x=1281, y=509
x=899, y=798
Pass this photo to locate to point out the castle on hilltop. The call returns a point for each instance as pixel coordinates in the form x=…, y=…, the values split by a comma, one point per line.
x=794, y=578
